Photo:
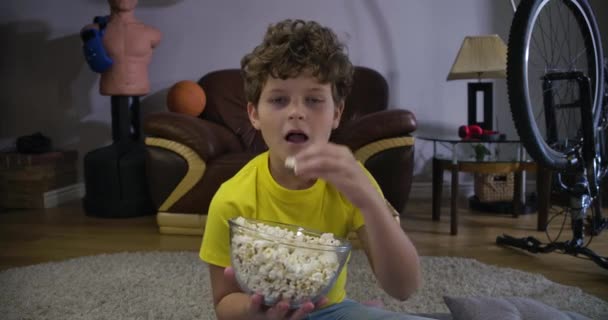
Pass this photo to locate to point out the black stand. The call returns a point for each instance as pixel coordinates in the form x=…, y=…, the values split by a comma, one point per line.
x=115, y=176
x=486, y=88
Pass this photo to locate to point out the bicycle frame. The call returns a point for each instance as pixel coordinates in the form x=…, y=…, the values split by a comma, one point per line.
x=591, y=169
x=587, y=157
x=585, y=189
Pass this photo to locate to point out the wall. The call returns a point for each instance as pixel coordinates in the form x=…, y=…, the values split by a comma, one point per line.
x=46, y=86
x=600, y=7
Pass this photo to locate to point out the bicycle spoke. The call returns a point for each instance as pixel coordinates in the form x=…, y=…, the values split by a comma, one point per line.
x=546, y=43
x=567, y=31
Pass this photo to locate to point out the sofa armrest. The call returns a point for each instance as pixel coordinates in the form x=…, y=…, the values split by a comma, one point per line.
x=382, y=141
x=376, y=126
x=205, y=137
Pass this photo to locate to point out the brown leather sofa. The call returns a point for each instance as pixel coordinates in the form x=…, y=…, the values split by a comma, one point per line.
x=189, y=157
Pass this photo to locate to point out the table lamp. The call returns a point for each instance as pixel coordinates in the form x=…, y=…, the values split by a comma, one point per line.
x=480, y=57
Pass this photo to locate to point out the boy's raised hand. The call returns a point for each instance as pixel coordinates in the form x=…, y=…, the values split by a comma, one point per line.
x=337, y=165
x=279, y=311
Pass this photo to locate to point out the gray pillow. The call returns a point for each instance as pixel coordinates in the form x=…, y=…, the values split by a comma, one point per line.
x=512, y=308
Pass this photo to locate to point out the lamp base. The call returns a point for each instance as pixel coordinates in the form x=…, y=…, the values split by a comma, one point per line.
x=486, y=89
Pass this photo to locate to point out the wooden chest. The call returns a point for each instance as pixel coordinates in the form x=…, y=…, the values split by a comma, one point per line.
x=37, y=180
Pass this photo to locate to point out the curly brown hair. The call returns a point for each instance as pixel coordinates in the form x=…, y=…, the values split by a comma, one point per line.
x=291, y=47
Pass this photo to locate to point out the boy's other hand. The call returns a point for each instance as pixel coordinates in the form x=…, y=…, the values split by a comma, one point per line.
x=337, y=165
x=259, y=311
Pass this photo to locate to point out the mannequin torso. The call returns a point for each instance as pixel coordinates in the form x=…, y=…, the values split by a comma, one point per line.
x=129, y=43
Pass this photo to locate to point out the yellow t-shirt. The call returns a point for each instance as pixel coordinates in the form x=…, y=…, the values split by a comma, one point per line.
x=253, y=193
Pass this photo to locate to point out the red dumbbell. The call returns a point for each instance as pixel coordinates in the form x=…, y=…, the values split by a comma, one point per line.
x=475, y=132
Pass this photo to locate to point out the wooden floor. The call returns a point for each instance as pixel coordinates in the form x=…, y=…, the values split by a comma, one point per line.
x=36, y=236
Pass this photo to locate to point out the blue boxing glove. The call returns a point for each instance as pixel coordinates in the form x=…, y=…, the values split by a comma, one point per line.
x=94, y=52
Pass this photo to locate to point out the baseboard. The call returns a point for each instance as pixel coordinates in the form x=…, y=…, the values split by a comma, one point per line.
x=53, y=198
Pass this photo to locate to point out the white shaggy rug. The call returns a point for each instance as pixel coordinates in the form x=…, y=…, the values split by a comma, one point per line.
x=175, y=285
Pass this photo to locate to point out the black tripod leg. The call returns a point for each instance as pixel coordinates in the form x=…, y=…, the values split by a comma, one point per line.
x=533, y=245
x=530, y=244
x=599, y=260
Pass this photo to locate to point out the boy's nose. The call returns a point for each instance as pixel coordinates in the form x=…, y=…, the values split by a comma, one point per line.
x=296, y=111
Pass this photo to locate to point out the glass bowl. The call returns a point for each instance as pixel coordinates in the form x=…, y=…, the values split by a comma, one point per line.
x=282, y=261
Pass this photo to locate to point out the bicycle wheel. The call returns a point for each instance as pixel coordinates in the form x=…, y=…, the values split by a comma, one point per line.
x=548, y=38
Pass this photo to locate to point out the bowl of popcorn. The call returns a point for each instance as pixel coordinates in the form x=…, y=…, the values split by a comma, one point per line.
x=282, y=261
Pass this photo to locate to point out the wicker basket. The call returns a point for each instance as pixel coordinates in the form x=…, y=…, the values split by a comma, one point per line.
x=494, y=187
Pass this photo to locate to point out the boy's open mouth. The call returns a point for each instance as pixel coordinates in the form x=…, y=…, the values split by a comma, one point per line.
x=296, y=137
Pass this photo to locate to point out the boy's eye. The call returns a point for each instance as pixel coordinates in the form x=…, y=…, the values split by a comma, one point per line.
x=278, y=100
x=314, y=100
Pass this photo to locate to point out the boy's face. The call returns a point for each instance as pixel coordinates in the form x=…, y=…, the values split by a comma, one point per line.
x=294, y=113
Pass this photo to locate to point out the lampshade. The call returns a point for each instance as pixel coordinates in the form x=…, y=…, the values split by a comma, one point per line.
x=480, y=57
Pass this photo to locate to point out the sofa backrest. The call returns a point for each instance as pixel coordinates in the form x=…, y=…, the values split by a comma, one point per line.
x=227, y=105
x=369, y=94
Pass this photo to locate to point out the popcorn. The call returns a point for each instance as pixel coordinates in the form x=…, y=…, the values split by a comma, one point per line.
x=297, y=272
x=290, y=163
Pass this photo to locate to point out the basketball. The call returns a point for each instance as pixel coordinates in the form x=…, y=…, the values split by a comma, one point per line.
x=186, y=97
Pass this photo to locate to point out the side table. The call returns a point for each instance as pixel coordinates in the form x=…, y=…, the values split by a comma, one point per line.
x=456, y=155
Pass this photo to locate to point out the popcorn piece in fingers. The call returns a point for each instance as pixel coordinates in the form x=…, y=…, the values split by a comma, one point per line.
x=290, y=163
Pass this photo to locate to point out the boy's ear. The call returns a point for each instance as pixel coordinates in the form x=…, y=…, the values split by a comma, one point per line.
x=252, y=111
x=338, y=114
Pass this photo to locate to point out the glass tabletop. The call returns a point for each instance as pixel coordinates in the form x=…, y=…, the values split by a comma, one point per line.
x=457, y=139
x=457, y=149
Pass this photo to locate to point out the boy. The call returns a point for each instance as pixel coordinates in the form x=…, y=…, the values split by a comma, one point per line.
x=296, y=82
